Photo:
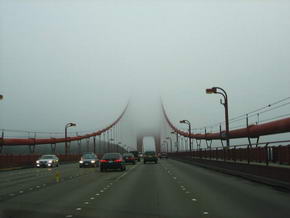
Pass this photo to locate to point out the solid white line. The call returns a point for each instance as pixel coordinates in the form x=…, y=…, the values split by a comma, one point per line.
x=121, y=176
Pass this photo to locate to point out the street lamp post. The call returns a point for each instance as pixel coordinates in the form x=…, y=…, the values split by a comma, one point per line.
x=112, y=144
x=119, y=146
x=177, y=141
x=218, y=90
x=189, y=131
x=170, y=142
x=166, y=145
x=65, y=135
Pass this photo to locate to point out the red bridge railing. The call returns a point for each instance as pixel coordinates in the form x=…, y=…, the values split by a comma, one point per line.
x=263, y=154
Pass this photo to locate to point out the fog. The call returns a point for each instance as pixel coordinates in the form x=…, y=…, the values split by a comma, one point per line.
x=83, y=60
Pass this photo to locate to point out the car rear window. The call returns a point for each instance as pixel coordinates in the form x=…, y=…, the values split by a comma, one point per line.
x=128, y=155
x=111, y=156
x=150, y=153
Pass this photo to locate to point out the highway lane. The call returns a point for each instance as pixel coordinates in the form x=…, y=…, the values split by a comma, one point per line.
x=13, y=182
x=167, y=189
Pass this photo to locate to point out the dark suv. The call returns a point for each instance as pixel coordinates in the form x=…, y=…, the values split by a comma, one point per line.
x=112, y=161
x=150, y=156
x=163, y=155
x=129, y=158
x=136, y=155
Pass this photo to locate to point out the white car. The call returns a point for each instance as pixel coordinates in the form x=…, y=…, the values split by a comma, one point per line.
x=48, y=160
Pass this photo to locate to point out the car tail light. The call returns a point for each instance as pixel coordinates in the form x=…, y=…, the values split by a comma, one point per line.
x=118, y=161
x=103, y=161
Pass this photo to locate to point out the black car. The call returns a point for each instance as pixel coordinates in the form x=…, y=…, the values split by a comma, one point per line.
x=129, y=158
x=163, y=155
x=136, y=155
x=112, y=161
x=150, y=156
x=89, y=160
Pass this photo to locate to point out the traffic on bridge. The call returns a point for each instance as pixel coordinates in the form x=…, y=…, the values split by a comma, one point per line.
x=144, y=109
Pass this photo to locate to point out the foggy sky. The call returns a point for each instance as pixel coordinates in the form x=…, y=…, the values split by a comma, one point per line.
x=82, y=60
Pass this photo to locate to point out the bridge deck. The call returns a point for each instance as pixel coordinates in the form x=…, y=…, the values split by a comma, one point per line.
x=167, y=189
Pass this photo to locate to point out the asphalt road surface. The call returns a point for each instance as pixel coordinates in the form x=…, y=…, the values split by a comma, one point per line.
x=167, y=189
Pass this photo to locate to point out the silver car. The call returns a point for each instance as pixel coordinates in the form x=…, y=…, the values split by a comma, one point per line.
x=48, y=160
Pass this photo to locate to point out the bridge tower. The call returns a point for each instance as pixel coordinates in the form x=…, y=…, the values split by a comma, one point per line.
x=155, y=135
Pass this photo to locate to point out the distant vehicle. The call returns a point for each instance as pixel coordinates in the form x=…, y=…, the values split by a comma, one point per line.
x=150, y=156
x=140, y=154
x=163, y=155
x=136, y=155
x=112, y=161
x=129, y=158
x=89, y=160
x=48, y=160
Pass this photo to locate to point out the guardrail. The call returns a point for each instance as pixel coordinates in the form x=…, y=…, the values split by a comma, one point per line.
x=263, y=154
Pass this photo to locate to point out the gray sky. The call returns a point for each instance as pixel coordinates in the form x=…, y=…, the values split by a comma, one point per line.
x=81, y=60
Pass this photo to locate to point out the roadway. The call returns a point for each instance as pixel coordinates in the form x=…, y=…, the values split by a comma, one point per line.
x=167, y=189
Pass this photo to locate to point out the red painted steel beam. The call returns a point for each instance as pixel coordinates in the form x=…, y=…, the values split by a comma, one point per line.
x=37, y=141
x=270, y=128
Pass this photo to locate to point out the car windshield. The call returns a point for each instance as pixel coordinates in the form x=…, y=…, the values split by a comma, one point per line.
x=88, y=156
x=47, y=157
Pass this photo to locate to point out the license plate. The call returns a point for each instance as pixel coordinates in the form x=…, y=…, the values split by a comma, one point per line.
x=110, y=161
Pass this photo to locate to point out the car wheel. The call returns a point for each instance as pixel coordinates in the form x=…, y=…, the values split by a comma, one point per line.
x=144, y=162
